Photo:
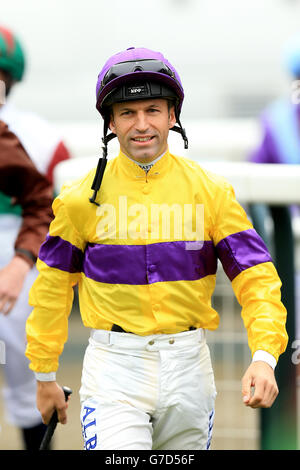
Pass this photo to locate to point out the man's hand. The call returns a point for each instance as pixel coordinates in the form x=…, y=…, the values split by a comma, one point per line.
x=50, y=397
x=12, y=278
x=260, y=376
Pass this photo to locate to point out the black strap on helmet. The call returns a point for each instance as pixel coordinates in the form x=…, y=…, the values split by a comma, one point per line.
x=180, y=129
x=101, y=163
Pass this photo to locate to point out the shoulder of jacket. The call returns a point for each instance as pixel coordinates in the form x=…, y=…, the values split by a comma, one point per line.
x=217, y=180
x=10, y=144
x=199, y=171
x=75, y=194
x=78, y=191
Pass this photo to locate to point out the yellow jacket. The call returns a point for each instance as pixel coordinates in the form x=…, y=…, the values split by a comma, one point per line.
x=146, y=259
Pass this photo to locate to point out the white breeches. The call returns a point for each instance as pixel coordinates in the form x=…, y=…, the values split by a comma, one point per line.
x=142, y=393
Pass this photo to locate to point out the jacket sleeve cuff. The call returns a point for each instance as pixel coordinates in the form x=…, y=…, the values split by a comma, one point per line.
x=45, y=377
x=260, y=355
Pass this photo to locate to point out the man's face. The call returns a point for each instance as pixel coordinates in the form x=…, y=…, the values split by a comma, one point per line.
x=142, y=127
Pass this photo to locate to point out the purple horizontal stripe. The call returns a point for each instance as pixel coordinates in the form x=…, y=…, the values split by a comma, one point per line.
x=146, y=264
x=60, y=254
x=180, y=261
x=115, y=264
x=241, y=251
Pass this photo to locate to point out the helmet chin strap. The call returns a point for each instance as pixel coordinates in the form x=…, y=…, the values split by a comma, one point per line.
x=103, y=160
x=181, y=131
x=101, y=163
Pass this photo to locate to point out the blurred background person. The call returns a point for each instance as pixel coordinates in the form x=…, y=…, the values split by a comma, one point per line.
x=277, y=223
x=45, y=149
x=280, y=120
x=280, y=143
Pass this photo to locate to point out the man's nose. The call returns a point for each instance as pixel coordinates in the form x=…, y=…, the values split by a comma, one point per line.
x=141, y=123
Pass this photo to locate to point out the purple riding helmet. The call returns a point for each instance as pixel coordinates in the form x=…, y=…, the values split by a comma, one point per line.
x=133, y=74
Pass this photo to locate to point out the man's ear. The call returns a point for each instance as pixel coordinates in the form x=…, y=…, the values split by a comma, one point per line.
x=111, y=124
x=172, y=117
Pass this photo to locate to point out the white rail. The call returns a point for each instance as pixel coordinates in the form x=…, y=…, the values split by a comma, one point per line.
x=276, y=184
